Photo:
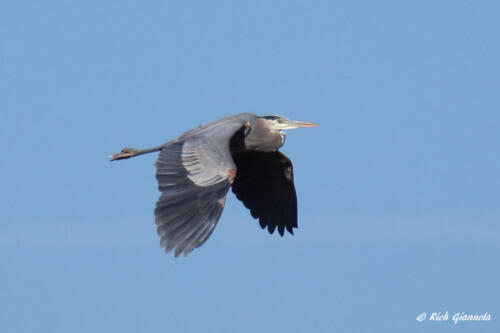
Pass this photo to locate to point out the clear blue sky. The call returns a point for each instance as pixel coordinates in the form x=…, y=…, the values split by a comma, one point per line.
x=399, y=189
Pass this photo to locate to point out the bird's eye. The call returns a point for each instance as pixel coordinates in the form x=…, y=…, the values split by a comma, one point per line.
x=280, y=120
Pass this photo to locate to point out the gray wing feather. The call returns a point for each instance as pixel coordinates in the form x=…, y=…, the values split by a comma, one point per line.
x=192, y=174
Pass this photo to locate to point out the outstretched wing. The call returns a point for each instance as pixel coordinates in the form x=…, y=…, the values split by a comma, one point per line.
x=194, y=174
x=264, y=183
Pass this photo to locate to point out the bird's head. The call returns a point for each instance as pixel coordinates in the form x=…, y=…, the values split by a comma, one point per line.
x=278, y=123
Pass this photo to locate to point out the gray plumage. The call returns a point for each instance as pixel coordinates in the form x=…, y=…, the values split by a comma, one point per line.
x=196, y=170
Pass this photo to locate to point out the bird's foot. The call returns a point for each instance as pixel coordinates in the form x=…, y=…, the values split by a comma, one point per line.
x=125, y=153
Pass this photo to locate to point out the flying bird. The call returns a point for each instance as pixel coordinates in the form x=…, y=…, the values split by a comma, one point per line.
x=196, y=170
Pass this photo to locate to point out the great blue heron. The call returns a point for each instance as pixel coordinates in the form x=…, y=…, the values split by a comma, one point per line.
x=195, y=171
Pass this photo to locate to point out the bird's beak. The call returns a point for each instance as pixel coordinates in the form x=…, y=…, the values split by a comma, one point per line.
x=287, y=124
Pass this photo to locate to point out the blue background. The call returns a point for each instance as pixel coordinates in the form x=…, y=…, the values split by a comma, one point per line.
x=398, y=189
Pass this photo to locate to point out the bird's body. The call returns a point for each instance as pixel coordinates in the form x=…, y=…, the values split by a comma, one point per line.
x=196, y=170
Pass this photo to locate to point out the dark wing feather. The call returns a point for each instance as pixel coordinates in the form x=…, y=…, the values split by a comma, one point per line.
x=264, y=183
